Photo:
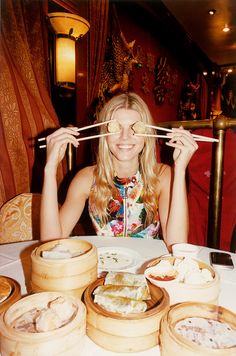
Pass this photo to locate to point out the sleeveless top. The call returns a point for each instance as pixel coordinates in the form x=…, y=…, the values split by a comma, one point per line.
x=127, y=213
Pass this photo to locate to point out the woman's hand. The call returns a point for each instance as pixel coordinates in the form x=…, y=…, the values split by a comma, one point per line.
x=184, y=146
x=57, y=144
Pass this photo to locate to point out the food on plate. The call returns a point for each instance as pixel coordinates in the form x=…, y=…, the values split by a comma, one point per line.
x=207, y=332
x=120, y=305
x=139, y=127
x=184, y=270
x=113, y=259
x=113, y=126
x=133, y=292
x=57, y=313
x=5, y=289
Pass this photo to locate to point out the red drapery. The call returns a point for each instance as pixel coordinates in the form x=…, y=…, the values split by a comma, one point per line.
x=25, y=106
x=98, y=18
x=199, y=184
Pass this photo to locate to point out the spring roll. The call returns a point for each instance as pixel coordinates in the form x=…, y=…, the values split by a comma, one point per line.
x=120, y=305
x=133, y=292
x=125, y=279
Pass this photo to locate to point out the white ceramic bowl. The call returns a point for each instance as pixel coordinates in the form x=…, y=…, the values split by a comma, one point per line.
x=185, y=250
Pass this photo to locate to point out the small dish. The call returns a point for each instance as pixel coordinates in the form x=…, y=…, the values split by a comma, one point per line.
x=160, y=279
x=118, y=259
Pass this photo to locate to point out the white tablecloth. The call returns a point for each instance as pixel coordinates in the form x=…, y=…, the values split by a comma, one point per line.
x=15, y=262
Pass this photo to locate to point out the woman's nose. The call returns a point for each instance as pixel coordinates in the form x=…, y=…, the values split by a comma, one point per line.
x=126, y=132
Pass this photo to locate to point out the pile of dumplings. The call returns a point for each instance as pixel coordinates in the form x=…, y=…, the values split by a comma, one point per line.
x=185, y=270
x=57, y=314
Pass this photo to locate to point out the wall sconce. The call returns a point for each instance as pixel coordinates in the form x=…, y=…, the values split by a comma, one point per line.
x=68, y=29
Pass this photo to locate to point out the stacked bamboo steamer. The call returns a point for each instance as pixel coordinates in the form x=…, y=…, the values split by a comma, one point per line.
x=172, y=343
x=181, y=292
x=68, y=340
x=70, y=275
x=125, y=333
x=10, y=292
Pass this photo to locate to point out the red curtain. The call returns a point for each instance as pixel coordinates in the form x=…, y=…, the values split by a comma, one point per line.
x=25, y=106
x=98, y=18
x=199, y=184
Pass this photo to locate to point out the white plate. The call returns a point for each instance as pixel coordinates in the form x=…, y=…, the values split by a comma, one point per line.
x=117, y=259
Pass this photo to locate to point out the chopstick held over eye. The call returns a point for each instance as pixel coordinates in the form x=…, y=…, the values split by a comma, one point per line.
x=202, y=138
x=97, y=136
x=89, y=137
x=81, y=129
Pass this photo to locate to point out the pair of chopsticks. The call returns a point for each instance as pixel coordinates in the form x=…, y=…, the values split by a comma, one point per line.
x=81, y=129
x=195, y=137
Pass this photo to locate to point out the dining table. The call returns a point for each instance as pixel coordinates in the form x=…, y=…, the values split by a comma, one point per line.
x=15, y=262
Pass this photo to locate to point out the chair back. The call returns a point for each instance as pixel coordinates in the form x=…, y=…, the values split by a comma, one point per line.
x=19, y=218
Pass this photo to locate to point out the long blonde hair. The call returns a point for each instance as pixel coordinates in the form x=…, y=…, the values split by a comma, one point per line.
x=103, y=189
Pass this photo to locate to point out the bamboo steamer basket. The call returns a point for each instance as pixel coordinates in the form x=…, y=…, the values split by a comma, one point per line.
x=67, y=340
x=15, y=293
x=184, y=292
x=125, y=333
x=70, y=275
x=172, y=343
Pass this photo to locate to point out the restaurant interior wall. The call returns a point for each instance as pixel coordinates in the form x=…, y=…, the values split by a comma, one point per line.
x=156, y=46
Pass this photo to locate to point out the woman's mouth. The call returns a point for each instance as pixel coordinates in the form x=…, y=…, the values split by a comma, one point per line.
x=125, y=147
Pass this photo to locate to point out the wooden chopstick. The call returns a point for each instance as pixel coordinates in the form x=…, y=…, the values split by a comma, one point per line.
x=82, y=128
x=89, y=137
x=204, y=138
x=97, y=136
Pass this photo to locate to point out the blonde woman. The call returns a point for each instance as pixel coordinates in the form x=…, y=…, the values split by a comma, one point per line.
x=129, y=193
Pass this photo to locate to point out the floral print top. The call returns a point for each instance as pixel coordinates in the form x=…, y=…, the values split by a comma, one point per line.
x=127, y=211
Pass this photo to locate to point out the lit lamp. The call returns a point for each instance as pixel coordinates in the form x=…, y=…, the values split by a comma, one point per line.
x=68, y=29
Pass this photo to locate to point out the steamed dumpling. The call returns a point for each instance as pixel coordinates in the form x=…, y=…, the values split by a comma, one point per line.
x=186, y=266
x=59, y=251
x=139, y=127
x=63, y=308
x=113, y=126
x=164, y=268
x=47, y=320
x=26, y=321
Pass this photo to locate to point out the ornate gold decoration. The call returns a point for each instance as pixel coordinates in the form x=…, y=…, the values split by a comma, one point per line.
x=120, y=59
x=145, y=82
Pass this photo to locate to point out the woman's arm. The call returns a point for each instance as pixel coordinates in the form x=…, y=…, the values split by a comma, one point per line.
x=76, y=197
x=50, y=226
x=173, y=202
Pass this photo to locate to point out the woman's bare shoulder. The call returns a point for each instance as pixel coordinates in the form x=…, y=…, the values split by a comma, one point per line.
x=164, y=174
x=83, y=180
x=87, y=172
x=163, y=170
